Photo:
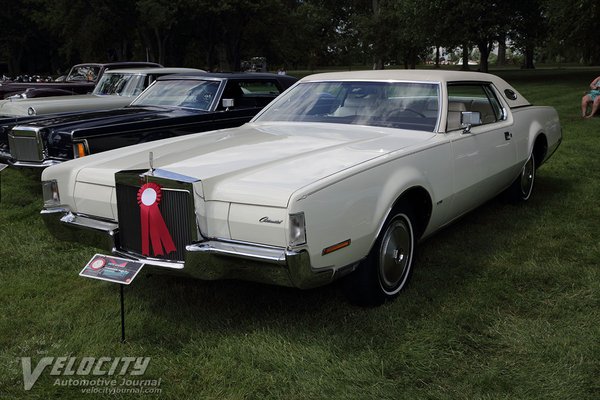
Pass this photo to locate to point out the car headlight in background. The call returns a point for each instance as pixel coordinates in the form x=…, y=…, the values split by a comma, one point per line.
x=297, y=229
x=50, y=192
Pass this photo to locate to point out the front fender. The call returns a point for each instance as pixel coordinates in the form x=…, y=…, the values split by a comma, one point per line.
x=356, y=205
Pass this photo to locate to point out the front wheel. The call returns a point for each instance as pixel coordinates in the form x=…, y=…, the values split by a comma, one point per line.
x=387, y=268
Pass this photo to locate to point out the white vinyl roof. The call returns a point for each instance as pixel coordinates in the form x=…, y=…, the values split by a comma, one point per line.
x=423, y=75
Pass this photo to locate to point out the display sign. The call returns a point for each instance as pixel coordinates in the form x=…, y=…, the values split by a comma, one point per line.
x=112, y=269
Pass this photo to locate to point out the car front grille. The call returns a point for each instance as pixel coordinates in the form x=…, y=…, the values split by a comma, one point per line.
x=25, y=145
x=176, y=208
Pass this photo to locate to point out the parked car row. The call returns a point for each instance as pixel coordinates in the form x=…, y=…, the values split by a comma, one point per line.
x=339, y=177
x=173, y=105
x=81, y=79
x=116, y=88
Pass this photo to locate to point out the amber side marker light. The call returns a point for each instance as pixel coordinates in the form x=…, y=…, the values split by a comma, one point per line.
x=80, y=150
x=336, y=247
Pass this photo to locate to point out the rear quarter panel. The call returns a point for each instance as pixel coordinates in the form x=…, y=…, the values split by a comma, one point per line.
x=530, y=123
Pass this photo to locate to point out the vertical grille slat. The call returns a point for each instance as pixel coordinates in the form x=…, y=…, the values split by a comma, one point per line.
x=175, y=209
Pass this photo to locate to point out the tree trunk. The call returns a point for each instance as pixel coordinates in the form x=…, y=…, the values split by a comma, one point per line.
x=413, y=58
x=437, y=56
x=465, y=58
x=529, y=52
x=484, y=50
x=377, y=58
x=501, y=51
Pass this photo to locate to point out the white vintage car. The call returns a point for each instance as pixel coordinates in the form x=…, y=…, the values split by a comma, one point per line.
x=116, y=88
x=340, y=176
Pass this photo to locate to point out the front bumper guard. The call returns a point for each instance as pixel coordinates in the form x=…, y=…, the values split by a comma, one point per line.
x=209, y=260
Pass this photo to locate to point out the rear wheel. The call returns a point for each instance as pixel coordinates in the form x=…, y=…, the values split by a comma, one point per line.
x=387, y=268
x=522, y=187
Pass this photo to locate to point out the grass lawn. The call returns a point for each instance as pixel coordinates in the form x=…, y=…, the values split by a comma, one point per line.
x=504, y=304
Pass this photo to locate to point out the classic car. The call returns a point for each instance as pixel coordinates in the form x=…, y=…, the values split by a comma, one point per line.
x=173, y=105
x=81, y=79
x=340, y=176
x=116, y=88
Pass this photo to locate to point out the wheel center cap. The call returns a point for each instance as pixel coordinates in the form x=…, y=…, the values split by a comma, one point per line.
x=398, y=256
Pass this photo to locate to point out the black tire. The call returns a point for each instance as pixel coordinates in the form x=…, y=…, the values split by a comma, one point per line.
x=522, y=188
x=388, y=267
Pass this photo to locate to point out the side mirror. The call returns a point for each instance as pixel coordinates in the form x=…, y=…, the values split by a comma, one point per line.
x=227, y=103
x=469, y=119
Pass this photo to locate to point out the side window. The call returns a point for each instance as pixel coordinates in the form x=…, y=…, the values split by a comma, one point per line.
x=472, y=97
x=257, y=88
x=250, y=93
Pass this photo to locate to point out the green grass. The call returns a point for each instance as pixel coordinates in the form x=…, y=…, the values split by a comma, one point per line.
x=504, y=304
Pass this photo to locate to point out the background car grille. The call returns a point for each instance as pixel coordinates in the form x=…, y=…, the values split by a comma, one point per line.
x=175, y=209
x=25, y=145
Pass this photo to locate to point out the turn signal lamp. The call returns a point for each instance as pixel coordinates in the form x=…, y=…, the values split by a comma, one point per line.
x=336, y=247
x=80, y=150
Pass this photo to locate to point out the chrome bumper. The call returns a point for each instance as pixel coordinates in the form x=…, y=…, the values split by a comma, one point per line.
x=208, y=260
x=6, y=157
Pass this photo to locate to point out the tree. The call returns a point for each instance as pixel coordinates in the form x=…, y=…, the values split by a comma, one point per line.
x=574, y=29
x=529, y=28
x=157, y=21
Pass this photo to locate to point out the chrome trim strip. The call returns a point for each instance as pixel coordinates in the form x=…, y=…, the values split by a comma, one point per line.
x=162, y=173
x=173, y=265
x=272, y=255
x=33, y=164
x=90, y=223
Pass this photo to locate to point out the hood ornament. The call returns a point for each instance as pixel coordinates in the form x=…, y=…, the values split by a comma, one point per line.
x=151, y=161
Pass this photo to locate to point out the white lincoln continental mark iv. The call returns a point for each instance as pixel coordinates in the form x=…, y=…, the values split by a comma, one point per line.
x=340, y=176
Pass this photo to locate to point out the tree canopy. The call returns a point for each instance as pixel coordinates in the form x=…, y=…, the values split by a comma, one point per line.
x=50, y=35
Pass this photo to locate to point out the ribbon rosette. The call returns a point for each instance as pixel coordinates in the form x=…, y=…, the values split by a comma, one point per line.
x=153, y=224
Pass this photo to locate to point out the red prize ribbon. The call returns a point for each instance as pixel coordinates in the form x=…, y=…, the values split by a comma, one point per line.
x=153, y=224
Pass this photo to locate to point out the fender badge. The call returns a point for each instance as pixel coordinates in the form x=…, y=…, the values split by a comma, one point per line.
x=267, y=220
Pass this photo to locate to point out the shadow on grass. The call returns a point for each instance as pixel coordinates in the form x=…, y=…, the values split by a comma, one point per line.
x=20, y=187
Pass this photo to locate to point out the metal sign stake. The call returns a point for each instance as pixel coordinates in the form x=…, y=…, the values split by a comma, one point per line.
x=122, y=314
x=2, y=166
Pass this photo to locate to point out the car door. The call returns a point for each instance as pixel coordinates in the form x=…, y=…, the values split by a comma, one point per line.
x=485, y=154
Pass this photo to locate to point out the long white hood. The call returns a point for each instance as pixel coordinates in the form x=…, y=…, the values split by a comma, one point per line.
x=55, y=104
x=254, y=164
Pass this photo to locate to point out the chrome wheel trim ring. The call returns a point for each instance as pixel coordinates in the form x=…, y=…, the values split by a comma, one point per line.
x=527, y=178
x=395, y=255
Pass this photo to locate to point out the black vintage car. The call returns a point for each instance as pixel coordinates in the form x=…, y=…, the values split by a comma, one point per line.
x=81, y=79
x=173, y=105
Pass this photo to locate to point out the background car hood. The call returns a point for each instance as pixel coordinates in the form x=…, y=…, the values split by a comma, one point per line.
x=91, y=119
x=46, y=105
x=256, y=163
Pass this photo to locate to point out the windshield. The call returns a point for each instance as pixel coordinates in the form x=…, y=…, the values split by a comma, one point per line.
x=406, y=105
x=87, y=73
x=186, y=93
x=128, y=85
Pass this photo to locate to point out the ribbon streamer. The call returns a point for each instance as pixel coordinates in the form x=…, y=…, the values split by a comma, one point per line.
x=154, y=228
